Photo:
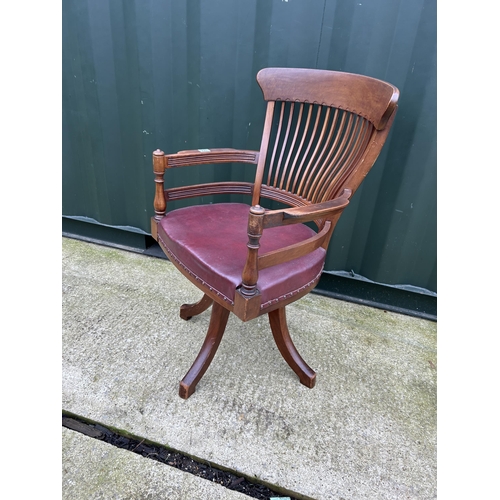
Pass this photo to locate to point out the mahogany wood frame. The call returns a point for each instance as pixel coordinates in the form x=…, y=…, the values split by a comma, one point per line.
x=323, y=131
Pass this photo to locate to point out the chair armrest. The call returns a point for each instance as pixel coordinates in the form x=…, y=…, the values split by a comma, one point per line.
x=207, y=156
x=162, y=162
x=290, y=252
x=306, y=213
x=260, y=219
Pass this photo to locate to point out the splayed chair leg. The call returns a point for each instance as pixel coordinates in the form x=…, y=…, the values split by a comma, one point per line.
x=218, y=322
x=190, y=310
x=277, y=319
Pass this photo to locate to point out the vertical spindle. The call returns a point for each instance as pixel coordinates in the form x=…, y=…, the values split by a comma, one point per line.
x=250, y=273
x=160, y=204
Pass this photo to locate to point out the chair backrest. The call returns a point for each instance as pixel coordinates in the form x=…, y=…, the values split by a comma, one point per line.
x=323, y=132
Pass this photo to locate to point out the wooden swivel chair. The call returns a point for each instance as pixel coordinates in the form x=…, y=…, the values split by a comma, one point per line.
x=323, y=131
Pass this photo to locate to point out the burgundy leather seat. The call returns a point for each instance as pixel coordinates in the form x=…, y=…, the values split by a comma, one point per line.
x=210, y=243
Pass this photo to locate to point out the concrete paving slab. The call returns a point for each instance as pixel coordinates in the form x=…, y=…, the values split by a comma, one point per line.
x=366, y=431
x=92, y=470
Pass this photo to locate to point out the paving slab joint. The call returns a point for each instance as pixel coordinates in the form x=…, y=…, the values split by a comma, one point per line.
x=122, y=439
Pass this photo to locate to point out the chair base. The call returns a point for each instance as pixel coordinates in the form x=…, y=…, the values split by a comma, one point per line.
x=216, y=328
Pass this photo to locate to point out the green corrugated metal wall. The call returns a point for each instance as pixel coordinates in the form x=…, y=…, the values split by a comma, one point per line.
x=141, y=75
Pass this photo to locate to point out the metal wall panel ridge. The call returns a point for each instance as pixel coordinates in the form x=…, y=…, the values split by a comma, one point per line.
x=141, y=75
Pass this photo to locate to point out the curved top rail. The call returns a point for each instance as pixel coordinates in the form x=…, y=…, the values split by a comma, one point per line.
x=368, y=97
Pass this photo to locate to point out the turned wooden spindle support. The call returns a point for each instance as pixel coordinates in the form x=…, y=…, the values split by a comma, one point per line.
x=251, y=271
x=159, y=165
